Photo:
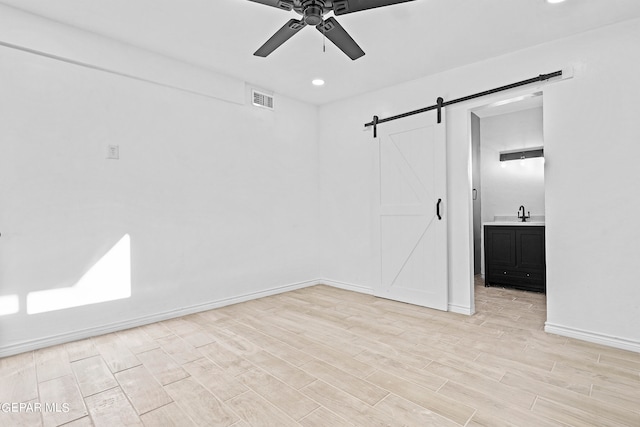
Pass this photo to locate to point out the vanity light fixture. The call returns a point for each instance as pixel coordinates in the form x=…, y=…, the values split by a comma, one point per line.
x=527, y=153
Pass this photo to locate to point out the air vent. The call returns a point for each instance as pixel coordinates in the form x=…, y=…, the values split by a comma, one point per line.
x=262, y=99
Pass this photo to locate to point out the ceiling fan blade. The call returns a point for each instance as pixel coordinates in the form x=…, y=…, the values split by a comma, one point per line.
x=340, y=38
x=281, y=36
x=341, y=7
x=280, y=4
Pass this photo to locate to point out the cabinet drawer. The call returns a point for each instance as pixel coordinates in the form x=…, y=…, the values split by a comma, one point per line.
x=497, y=273
x=525, y=280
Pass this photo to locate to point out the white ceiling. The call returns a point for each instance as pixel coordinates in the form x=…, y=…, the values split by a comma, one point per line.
x=402, y=42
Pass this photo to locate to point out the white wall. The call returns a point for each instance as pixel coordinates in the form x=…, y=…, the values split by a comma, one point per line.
x=507, y=185
x=36, y=34
x=219, y=198
x=591, y=152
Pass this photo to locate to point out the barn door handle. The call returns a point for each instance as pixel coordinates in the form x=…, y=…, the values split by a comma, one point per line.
x=438, y=209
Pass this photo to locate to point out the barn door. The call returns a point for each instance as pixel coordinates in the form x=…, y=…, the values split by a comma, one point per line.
x=411, y=217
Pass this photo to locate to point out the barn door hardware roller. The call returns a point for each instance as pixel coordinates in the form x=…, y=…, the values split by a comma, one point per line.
x=441, y=103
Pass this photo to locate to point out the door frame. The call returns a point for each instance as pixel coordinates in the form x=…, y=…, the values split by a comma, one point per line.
x=472, y=107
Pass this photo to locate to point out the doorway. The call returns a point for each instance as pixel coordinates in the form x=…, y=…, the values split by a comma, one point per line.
x=500, y=186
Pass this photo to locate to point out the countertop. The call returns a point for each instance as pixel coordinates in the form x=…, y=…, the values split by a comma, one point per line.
x=516, y=223
x=513, y=220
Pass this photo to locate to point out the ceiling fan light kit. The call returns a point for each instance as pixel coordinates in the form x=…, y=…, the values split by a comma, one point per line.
x=312, y=13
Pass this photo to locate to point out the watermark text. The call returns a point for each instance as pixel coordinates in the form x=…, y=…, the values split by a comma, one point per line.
x=27, y=407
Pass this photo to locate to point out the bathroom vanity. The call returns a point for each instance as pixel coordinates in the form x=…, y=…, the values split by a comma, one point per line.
x=514, y=255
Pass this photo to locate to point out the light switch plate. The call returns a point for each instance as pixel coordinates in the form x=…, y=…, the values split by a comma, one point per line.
x=113, y=152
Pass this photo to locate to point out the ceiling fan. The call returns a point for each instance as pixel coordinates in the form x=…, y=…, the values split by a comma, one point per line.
x=312, y=12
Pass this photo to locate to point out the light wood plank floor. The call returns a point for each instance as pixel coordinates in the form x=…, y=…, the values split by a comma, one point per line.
x=326, y=357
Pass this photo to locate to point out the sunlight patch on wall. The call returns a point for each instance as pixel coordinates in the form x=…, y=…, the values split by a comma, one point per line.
x=9, y=304
x=108, y=280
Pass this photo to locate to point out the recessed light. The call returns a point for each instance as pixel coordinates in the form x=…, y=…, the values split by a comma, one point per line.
x=555, y=1
x=317, y=82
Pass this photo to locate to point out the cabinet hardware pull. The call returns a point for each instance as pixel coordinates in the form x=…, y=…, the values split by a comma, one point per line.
x=438, y=209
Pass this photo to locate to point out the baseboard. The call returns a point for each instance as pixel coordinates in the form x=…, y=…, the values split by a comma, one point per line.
x=347, y=286
x=369, y=291
x=79, y=334
x=459, y=309
x=593, y=337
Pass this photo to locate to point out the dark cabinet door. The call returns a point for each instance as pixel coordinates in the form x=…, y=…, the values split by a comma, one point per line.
x=501, y=246
x=530, y=249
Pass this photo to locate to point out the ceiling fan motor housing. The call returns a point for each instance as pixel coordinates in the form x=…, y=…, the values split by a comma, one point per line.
x=312, y=11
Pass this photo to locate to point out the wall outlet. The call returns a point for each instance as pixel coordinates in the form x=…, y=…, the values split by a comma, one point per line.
x=113, y=152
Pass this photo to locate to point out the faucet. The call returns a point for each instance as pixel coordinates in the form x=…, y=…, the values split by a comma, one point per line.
x=523, y=217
